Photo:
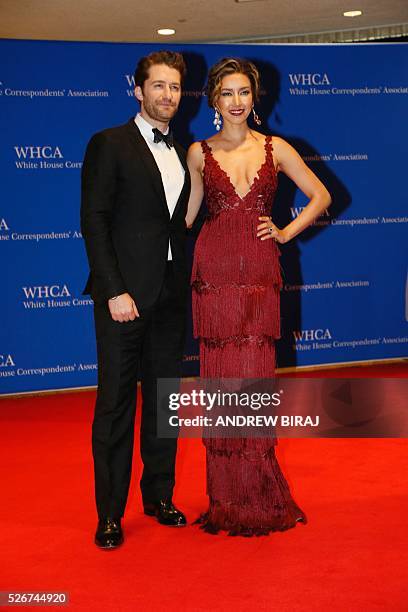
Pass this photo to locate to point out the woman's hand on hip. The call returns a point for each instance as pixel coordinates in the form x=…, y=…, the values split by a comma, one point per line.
x=268, y=230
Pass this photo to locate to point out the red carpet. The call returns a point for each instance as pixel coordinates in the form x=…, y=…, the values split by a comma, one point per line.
x=352, y=554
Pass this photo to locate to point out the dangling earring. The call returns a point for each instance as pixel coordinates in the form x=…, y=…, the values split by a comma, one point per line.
x=256, y=118
x=217, y=120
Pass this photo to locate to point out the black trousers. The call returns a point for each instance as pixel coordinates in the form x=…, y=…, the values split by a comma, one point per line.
x=151, y=346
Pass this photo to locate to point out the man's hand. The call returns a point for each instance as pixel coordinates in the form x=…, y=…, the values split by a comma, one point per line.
x=123, y=308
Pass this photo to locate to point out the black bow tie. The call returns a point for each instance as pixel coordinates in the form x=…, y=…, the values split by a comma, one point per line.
x=166, y=138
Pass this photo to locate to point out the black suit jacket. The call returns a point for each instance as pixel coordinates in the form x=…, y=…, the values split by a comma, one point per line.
x=125, y=220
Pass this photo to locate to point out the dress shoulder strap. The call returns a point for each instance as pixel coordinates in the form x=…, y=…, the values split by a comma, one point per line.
x=268, y=147
x=205, y=147
x=269, y=152
x=207, y=153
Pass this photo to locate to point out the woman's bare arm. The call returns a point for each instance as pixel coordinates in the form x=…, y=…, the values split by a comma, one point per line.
x=290, y=162
x=195, y=164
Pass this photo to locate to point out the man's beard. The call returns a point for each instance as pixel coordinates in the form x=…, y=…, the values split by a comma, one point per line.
x=159, y=113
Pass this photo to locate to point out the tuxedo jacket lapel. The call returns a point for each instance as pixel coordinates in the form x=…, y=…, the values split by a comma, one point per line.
x=186, y=186
x=149, y=162
x=153, y=170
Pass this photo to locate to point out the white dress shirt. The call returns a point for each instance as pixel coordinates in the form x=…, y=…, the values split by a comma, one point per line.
x=168, y=162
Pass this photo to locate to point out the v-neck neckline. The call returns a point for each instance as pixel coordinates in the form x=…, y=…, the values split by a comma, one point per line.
x=255, y=179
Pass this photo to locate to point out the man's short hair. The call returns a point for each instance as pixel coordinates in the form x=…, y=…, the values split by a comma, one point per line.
x=169, y=58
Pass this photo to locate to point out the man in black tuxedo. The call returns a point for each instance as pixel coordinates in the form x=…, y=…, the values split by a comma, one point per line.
x=135, y=189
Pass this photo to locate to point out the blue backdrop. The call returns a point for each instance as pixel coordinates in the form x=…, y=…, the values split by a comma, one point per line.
x=344, y=109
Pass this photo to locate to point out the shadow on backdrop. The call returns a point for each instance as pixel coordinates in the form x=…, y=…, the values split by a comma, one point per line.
x=181, y=124
x=284, y=209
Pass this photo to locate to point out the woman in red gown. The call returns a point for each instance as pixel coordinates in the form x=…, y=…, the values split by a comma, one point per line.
x=236, y=283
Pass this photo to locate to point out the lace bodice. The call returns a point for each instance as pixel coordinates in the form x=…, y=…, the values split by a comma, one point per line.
x=221, y=194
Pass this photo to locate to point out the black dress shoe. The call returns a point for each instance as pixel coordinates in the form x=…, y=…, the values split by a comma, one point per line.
x=109, y=533
x=166, y=513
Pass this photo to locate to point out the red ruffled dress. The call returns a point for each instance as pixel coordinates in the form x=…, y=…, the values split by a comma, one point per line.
x=236, y=285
